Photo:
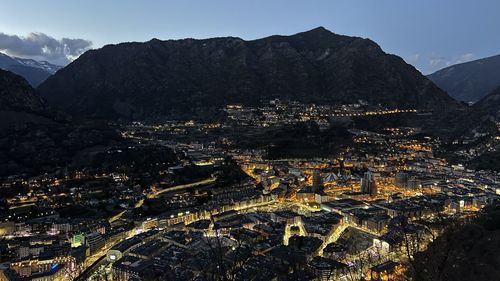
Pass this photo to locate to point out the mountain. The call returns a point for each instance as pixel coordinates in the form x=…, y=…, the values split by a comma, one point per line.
x=474, y=136
x=469, y=81
x=34, y=71
x=490, y=104
x=16, y=94
x=44, y=65
x=34, y=138
x=194, y=78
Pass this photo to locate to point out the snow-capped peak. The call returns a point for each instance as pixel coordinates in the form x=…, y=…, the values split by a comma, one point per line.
x=52, y=68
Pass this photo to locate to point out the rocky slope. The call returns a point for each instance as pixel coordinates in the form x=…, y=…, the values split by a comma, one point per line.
x=469, y=81
x=194, y=78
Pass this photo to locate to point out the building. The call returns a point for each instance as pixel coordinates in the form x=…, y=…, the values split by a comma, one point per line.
x=309, y=193
x=328, y=269
x=401, y=180
x=414, y=183
x=132, y=268
x=287, y=217
x=7, y=228
x=95, y=242
x=77, y=240
x=369, y=184
x=61, y=227
x=335, y=251
x=384, y=271
x=41, y=269
x=317, y=182
x=149, y=224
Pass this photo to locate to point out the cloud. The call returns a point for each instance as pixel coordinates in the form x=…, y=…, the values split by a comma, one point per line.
x=413, y=59
x=40, y=46
x=438, y=62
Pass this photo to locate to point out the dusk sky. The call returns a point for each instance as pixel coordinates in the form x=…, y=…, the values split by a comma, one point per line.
x=429, y=34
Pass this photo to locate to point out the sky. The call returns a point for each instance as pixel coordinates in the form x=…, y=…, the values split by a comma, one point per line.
x=429, y=34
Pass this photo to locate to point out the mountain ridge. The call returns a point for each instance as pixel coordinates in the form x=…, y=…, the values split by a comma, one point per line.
x=171, y=77
x=469, y=81
x=35, y=72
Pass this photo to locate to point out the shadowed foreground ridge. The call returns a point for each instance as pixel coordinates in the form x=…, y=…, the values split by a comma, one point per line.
x=34, y=138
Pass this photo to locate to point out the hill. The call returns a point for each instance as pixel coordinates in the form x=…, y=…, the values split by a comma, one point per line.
x=34, y=138
x=474, y=138
x=470, y=81
x=490, y=104
x=194, y=78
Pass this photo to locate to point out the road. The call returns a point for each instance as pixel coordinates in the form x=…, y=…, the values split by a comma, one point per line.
x=96, y=260
x=183, y=186
x=139, y=203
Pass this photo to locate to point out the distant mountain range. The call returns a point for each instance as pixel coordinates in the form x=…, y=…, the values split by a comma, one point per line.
x=194, y=78
x=469, y=81
x=35, y=72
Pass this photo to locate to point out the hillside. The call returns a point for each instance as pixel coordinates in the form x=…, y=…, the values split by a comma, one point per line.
x=16, y=94
x=470, y=81
x=35, y=139
x=194, y=78
x=475, y=135
x=490, y=104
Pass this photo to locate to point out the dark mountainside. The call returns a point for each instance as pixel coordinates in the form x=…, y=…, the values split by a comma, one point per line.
x=482, y=116
x=475, y=128
x=490, y=104
x=17, y=95
x=487, y=114
x=35, y=139
x=194, y=78
x=470, y=81
x=34, y=72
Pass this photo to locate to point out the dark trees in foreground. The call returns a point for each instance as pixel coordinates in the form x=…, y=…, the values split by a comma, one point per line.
x=464, y=252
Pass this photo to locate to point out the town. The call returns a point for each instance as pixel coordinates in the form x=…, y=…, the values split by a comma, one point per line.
x=194, y=200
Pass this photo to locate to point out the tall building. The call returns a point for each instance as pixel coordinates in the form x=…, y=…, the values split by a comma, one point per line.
x=369, y=184
x=401, y=180
x=317, y=184
x=308, y=193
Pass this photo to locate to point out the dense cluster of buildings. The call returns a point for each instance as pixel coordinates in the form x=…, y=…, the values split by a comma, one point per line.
x=199, y=208
x=282, y=112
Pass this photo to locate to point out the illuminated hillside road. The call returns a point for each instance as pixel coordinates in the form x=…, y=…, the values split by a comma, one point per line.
x=183, y=186
x=168, y=189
